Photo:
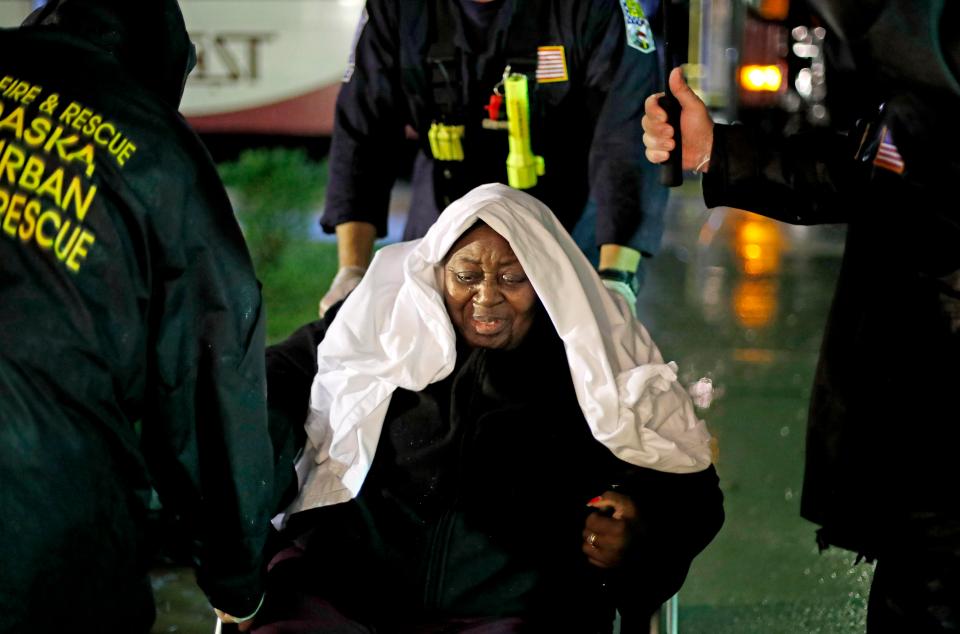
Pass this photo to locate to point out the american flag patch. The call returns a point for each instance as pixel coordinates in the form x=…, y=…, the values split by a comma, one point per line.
x=551, y=64
x=887, y=155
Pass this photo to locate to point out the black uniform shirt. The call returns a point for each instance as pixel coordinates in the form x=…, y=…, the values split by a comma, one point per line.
x=585, y=121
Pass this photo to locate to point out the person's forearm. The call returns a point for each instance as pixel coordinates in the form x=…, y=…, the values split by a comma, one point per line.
x=803, y=179
x=618, y=267
x=355, y=243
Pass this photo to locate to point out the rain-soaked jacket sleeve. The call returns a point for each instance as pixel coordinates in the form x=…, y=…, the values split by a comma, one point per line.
x=205, y=428
x=368, y=129
x=814, y=178
x=623, y=183
x=803, y=179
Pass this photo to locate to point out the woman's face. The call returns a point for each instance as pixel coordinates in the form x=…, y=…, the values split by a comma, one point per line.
x=488, y=296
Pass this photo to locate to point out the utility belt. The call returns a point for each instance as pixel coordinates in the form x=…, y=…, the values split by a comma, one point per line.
x=512, y=95
x=508, y=108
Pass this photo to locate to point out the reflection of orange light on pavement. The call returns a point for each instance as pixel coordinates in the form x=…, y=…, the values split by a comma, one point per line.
x=755, y=230
x=753, y=267
x=753, y=355
x=755, y=302
x=758, y=244
x=761, y=78
x=752, y=251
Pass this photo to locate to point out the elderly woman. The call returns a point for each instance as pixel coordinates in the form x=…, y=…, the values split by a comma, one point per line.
x=493, y=444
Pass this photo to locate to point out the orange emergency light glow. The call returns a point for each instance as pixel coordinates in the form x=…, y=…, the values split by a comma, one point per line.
x=752, y=252
x=774, y=9
x=761, y=78
x=758, y=243
x=755, y=305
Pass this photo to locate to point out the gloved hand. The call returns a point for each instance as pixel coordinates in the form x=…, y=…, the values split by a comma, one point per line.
x=345, y=281
x=623, y=282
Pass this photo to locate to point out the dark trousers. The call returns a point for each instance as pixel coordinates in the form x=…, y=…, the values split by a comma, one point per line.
x=916, y=589
x=293, y=606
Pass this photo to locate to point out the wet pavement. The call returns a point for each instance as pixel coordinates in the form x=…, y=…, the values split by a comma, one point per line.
x=742, y=301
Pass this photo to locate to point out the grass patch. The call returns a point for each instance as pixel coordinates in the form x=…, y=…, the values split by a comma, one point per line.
x=293, y=287
x=276, y=192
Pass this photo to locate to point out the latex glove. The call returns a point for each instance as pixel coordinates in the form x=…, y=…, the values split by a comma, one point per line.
x=617, y=268
x=622, y=282
x=626, y=291
x=607, y=534
x=345, y=281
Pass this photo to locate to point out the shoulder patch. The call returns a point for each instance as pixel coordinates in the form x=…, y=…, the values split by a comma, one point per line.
x=352, y=60
x=888, y=157
x=639, y=33
x=551, y=64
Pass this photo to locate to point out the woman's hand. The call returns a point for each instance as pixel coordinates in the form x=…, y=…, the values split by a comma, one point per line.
x=607, y=534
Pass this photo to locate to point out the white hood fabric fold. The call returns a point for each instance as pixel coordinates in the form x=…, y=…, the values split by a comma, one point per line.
x=393, y=332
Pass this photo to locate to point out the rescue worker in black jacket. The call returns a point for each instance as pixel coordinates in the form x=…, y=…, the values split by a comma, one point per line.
x=883, y=431
x=441, y=63
x=126, y=295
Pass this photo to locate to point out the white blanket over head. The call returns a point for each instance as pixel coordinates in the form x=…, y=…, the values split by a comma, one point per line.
x=393, y=332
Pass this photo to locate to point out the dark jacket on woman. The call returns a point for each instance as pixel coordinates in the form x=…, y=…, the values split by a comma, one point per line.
x=476, y=501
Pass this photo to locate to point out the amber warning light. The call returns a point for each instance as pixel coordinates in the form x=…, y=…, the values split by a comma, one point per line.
x=761, y=78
